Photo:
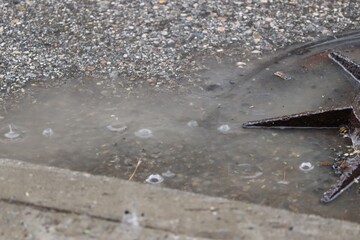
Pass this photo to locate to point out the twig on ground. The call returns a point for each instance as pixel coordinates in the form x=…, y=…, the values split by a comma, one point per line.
x=136, y=167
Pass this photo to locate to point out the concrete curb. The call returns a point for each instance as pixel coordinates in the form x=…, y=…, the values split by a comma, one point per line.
x=156, y=210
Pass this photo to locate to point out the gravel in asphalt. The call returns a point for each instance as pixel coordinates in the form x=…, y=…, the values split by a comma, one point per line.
x=151, y=42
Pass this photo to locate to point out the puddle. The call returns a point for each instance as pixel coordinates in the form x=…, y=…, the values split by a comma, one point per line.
x=195, y=141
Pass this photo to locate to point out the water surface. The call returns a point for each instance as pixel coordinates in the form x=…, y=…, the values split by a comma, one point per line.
x=193, y=139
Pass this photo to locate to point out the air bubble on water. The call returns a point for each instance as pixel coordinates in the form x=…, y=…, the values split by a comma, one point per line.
x=48, y=132
x=192, y=123
x=154, y=179
x=224, y=128
x=306, y=167
x=11, y=134
x=144, y=133
x=168, y=174
x=116, y=128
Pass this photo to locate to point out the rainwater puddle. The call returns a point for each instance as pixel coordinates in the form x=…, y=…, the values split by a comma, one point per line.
x=194, y=141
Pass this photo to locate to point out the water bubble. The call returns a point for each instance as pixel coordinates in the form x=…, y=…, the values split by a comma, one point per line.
x=48, y=132
x=154, y=179
x=168, y=174
x=192, y=123
x=11, y=134
x=224, y=128
x=116, y=128
x=306, y=167
x=144, y=133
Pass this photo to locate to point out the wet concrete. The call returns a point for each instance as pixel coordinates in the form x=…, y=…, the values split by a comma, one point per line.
x=49, y=202
x=97, y=127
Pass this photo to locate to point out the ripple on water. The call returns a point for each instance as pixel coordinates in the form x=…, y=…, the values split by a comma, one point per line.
x=144, y=133
x=224, y=128
x=154, y=179
x=48, y=132
x=116, y=127
x=11, y=133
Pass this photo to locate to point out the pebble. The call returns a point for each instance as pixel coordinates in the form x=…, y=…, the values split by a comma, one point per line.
x=152, y=39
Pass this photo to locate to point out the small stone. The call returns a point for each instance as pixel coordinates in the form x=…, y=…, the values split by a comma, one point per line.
x=31, y=75
x=221, y=29
x=248, y=32
x=170, y=43
x=114, y=74
x=325, y=31
x=256, y=37
x=240, y=64
x=15, y=21
x=256, y=51
x=90, y=68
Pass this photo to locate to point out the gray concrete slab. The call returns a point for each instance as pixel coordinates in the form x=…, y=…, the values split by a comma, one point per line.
x=140, y=211
x=27, y=222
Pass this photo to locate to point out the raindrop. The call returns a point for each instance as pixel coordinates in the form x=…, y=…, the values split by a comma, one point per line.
x=11, y=134
x=255, y=175
x=306, y=167
x=154, y=179
x=130, y=218
x=116, y=128
x=144, y=133
x=192, y=123
x=168, y=174
x=47, y=132
x=283, y=182
x=245, y=170
x=224, y=128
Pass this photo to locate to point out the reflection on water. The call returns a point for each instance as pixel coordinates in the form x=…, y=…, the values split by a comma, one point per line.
x=194, y=141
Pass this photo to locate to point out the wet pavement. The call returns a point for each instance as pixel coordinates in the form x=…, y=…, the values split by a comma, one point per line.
x=192, y=139
x=156, y=92
x=52, y=203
